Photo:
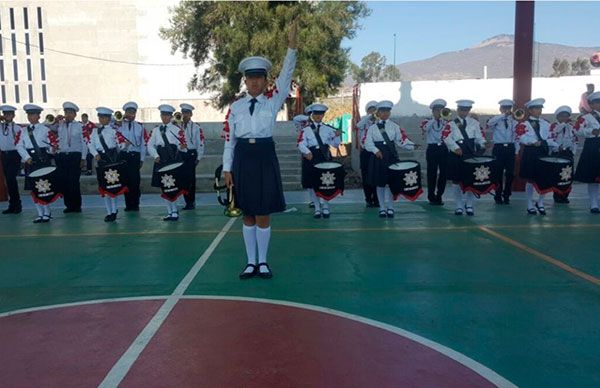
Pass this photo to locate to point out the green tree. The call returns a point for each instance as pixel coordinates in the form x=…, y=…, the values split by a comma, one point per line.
x=218, y=35
x=390, y=73
x=560, y=67
x=370, y=69
x=580, y=66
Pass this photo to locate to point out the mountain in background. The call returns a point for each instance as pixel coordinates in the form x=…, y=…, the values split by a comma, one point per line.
x=496, y=53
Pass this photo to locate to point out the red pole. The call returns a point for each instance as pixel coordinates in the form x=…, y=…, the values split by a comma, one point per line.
x=523, y=62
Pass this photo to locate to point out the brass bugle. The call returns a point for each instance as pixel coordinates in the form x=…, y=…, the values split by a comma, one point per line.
x=50, y=119
x=177, y=117
x=519, y=114
x=231, y=210
x=118, y=116
x=446, y=113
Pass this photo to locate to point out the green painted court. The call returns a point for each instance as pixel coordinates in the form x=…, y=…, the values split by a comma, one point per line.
x=427, y=298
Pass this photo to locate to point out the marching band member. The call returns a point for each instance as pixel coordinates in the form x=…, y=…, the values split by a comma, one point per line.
x=300, y=121
x=313, y=143
x=464, y=138
x=534, y=135
x=563, y=133
x=71, y=156
x=250, y=163
x=35, y=145
x=361, y=129
x=106, y=144
x=166, y=143
x=88, y=128
x=11, y=162
x=436, y=154
x=381, y=140
x=194, y=137
x=505, y=149
x=134, y=154
x=588, y=168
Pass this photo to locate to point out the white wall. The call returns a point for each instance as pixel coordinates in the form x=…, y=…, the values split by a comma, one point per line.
x=414, y=97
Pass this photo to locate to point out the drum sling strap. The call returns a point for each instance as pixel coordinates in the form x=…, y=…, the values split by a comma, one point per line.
x=107, y=151
x=391, y=146
x=322, y=148
x=38, y=153
x=163, y=134
x=463, y=131
x=536, y=128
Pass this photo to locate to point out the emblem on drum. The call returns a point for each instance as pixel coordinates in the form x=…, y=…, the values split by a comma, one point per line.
x=411, y=178
x=327, y=178
x=482, y=173
x=42, y=185
x=111, y=176
x=167, y=180
x=566, y=173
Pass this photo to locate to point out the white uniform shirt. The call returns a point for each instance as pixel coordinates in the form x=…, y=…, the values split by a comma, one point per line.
x=503, y=129
x=174, y=134
x=194, y=137
x=586, y=124
x=42, y=138
x=240, y=124
x=527, y=135
x=133, y=132
x=452, y=134
x=362, y=127
x=433, y=129
x=564, y=136
x=111, y=139
x=9, y=133
x=71, y=138
x=396, y=135
x=308, y=137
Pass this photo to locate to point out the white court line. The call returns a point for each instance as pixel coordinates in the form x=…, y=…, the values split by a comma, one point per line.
x=124, y=364
x=468, y=362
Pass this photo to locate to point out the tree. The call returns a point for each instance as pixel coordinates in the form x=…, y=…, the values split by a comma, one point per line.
x=561, y=67
x=218, y=35
x=580, y=66
x=370, y=68
x=390, y=73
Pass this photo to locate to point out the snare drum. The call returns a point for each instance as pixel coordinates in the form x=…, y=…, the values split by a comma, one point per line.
x=405, y=179
x=478, y=175
x=553, y=174
x=173, y=181
x=112, y=179
x=45, y=185
x=328, y=180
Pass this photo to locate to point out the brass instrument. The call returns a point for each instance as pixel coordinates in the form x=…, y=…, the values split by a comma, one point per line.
x=446, y=113
x=519, y=114
x=2, y=119
x=177, y=118
x=229, y=202
x=50, y=119
x=118, y=115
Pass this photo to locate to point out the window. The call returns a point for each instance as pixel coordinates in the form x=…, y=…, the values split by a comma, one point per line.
x=1, y=50
x=25, y=18
x=28, y=69
x=41, y=43
x=1, y=70
x=39, y=14
x=43, y=69
x=17, y=97
x=30, y=87
x=16, y=69
x=13, y=39
x=12, y=18
x=27, y=48
x=44, y=95
x=3, y=88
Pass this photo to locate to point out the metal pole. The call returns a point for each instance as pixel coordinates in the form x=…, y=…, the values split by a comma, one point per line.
x=394, y=52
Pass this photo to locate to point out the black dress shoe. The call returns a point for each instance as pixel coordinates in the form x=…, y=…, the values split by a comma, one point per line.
x=540, y=209
x=311, y=205
x=189, y=206
x=113, y=216
x=390, y=213
x=326, y=214
x=498, y=201
x=247, y=275
x=531, y=211
x=595, y=210
x=38, y=220
x=382, y=214
x=10, y=210
x=108, y=218
x=506, y=201
x=265, y=275
x=469, y=211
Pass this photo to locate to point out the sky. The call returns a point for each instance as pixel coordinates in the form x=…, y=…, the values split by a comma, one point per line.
x=424, y=29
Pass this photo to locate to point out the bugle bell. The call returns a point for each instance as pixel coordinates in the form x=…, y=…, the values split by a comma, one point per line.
x=446, y=113
x=519, y=114
x=229, y=201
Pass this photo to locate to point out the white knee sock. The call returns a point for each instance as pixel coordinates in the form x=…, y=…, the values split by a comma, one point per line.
x=46, y=210
x=389, y=198
x=381, y=197
x=541, y=200
x=314, y=199
x=593, y=193
x=169, y=206
x=529, y=192
x=470, y=199
x=249, y=233
x=113, y=204
x=325, y=206
x=107, y=204
x=263, y=236
x=459, y=202
x=40, y=209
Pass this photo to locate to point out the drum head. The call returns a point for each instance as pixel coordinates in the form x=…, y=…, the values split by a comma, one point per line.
x=328, y=165
x=479, y=159
x=403, y=166
x=42, y=172
x=550, y=159
x=170, y=167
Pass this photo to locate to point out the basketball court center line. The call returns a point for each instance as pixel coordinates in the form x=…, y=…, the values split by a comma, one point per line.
x=124, y=364
x=304, y=230
x=543, y=256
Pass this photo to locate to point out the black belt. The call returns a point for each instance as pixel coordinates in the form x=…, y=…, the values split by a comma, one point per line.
x=257, y=140
x=436, y=144
x=504, y=144
x=10, y=152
